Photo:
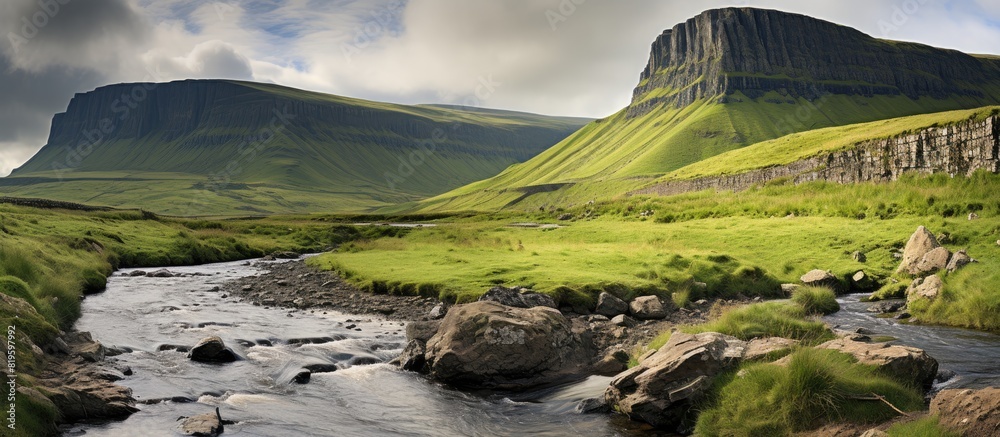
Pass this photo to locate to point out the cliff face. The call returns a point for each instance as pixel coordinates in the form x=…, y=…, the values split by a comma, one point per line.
x=959, y=149
x=755, y=51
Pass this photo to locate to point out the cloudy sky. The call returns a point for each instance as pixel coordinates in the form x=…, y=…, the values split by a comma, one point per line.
x=562, y=57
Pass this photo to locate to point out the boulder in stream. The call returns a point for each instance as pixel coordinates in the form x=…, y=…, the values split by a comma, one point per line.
x=488, y=345
x=901, y=362
x=203, y=425
x=212, y=350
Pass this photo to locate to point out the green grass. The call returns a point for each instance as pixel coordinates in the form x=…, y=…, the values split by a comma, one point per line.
x=816, y=300
x=816, y=387
x=769, y=319
x=738, y=243
x=925, y=427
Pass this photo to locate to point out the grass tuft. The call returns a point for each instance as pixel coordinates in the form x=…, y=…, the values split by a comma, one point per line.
x=816, y=300
x=815, y=387
x=769, y=319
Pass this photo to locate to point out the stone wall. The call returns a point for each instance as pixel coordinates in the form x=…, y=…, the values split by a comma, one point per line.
x=958, y=149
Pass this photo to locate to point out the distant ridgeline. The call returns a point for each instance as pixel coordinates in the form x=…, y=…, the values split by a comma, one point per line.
x=958, y=150
x=754, y=51
x=210, y=147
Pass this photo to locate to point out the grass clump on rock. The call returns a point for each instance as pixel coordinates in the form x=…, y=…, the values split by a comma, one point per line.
x=815, y=387
x=816, y=300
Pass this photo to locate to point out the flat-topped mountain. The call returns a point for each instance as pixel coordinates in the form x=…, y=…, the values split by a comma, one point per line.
x=754, y=51
x=731, y=78
x=223, y=147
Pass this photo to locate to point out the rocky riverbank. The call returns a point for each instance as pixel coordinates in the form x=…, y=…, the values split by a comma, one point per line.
x=294, y=284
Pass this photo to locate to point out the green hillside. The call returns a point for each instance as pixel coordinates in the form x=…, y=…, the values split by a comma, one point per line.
x=755, y=78
x=225, y=148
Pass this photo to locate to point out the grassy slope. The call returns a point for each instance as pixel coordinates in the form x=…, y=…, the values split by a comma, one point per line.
x=610, y=157
x=736, y=242
x=314, y=164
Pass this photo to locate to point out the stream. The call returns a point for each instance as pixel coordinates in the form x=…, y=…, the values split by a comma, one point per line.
x=365, y=396
x=974, y=356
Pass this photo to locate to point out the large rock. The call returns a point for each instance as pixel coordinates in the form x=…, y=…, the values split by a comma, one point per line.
x=958, y=260
x=662, y=389
x=820, y=278
x=762, y=348
x=902, y=362
x=488, y=345
x=517, y=297
x=212, y=350
x=203, y=425
x=924, y=288
x=921, y=242
x=610, y=305
x=647, y=308
x=969, y=412
x=936, y=259
x=87, y=397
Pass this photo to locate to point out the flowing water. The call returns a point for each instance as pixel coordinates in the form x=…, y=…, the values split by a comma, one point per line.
x=974, y=356
x=364, y=397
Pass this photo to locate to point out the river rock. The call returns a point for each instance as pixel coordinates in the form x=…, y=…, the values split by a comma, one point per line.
x=924, y=288
x=610, y=305
x=902, y=362
x=286, y=255
x=921, y=242
x=613, y=363
x=820, y=278
x=862, y=282
x=647, y=308
x=162, y=273
x=212, y=350
x=514, y=297
x=886, y=307
x=488, y=345
x=438, y=312
x=623, y=320
x=422, y=331
x=593, y=406
x=203, y=425
x=413, y=358
x=936, y=259
x=137, y=273
x=969, y=412
x=664, y=387
x=958, y=260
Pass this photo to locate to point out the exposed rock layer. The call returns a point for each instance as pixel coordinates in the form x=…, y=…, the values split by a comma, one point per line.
x=959, y=149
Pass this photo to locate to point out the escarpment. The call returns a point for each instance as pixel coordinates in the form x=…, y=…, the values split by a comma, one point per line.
x=958, y=149
x=753, y=51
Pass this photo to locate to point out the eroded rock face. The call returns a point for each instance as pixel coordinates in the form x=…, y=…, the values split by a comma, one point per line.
x=920, y=243
x=488, y=345
x=903, y=362
x=663, y=387
x=647, y=308
x=924, y=288
x=970, y=412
